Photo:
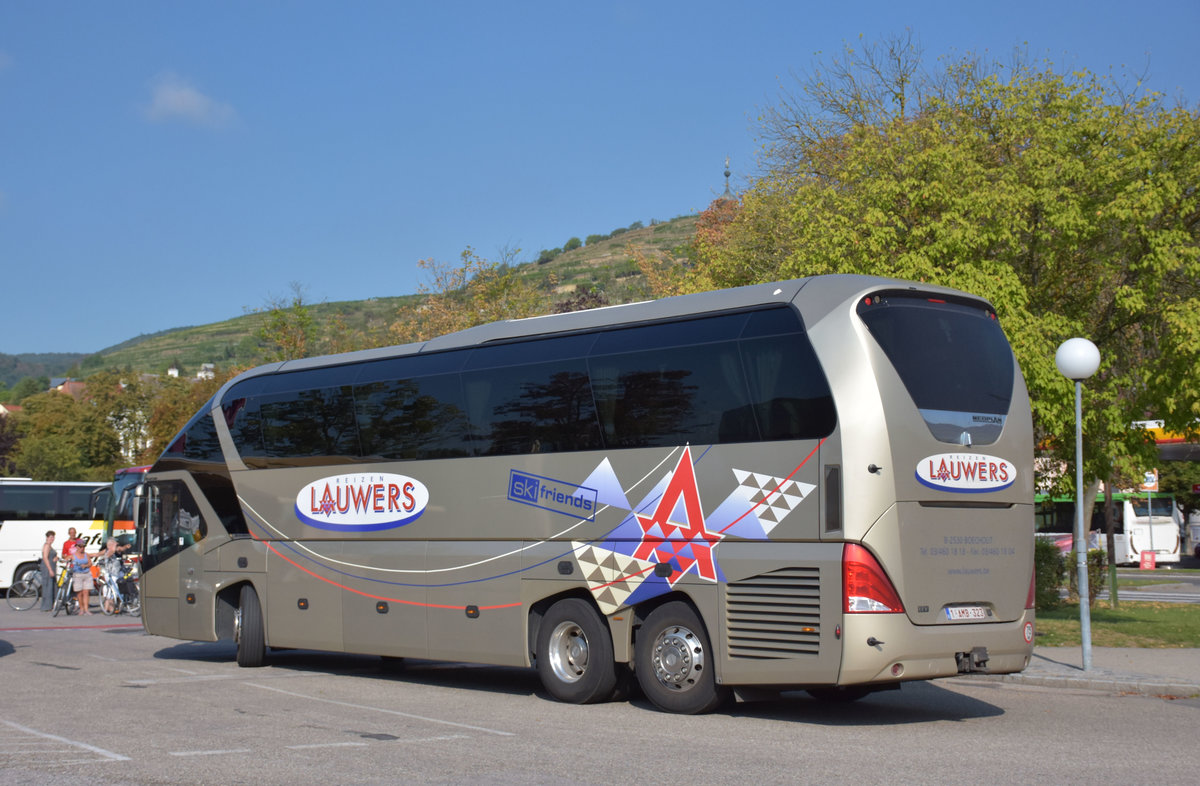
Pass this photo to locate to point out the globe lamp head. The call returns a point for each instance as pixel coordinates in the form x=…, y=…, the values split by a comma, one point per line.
x=1077, y=359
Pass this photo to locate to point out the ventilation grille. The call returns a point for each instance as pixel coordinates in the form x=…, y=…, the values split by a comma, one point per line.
x=775, y=615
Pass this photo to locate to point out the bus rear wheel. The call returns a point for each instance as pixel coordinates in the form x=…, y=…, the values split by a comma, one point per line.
x=673, y=661
x=575, y=653
x=248, y=631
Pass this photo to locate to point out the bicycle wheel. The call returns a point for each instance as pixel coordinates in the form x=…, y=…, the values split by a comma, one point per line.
x=110, y=604
x=23, y=595
x=133, y=601
x=61, y=596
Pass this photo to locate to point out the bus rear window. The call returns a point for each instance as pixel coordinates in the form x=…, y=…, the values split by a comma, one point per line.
x=952, y=357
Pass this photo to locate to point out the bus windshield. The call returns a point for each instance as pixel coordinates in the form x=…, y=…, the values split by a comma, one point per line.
x=952, y=357
x=1153, y=506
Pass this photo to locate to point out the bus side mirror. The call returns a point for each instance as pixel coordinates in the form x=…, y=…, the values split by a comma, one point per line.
x=139, y=526
x=139, y=493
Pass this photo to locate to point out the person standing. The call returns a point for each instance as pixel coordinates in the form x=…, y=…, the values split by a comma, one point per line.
x=49, y=557
x=81, y=565
x=69, y=543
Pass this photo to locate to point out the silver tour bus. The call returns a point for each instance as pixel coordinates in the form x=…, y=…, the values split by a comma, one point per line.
x=821, y=484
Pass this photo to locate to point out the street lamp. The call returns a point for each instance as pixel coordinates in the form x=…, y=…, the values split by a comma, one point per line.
x=1077, y=359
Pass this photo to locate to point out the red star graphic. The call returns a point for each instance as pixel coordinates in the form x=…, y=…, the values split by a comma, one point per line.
x=689, y=544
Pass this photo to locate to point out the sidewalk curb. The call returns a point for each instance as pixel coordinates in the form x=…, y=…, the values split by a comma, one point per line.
x=1105, y=683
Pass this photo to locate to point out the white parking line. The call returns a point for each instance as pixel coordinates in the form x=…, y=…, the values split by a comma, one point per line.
x=386, y=711
x=327, y=745
x=98, y=751
x=209, y=753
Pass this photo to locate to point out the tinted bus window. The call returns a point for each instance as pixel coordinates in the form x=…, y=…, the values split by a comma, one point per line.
x=46, y=503
x=419, y=418
x=952, y=358
x=672, y=396
x=791, y=396
x=538, y=408
x=306, y=423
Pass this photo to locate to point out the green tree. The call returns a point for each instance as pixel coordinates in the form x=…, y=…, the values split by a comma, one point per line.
x=26, y=387
x=572, y=244
x=173, y=402
x=475, y=292
x=1179, y=478
x=287, y=329
x=9, y=438
x=120, y=399
x=1070, y=205
x=65, y=439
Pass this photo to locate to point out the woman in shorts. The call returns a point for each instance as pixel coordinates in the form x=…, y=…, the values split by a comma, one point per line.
x=81, y=563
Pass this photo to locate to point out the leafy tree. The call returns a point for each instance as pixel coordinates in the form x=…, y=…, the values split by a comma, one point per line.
x=173, y=403
x=287, y=328
x=1070, y=205
x=1179, y=478
x=9, y=437
x=572, y=244
x=122, y=402
x=26, y=387
x=65, y=439
x=581, y=301
x=594, y=239
x=475, y=292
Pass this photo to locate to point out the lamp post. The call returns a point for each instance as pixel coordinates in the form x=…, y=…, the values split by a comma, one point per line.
x=1077, y=359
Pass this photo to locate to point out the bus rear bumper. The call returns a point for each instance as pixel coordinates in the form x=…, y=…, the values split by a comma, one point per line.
x=880, y=648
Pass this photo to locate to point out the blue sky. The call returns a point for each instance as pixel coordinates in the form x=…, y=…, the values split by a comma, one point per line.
x=166, y=164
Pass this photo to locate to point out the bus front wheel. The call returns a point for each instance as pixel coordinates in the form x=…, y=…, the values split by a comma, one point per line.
x=575, y=653
x=674, y=662
x=248, y=630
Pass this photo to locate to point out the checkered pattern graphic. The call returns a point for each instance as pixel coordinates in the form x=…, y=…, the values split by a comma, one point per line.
x=772, y=497
x=611, y=577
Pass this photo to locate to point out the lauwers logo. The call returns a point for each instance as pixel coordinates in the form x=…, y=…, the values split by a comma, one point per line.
x=361, y=502
x=966, y=472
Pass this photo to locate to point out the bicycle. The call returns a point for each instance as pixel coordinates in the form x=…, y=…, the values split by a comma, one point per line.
x=112, y=600
x=24, y=594
x=64, y=596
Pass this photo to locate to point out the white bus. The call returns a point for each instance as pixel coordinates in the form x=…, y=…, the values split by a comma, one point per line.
x=29, y=509
x=1151, y=523
x=1135, y=530
x=823, y=484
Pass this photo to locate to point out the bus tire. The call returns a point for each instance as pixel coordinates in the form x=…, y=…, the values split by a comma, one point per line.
x=575, y=653
x=674, y=661
x=25, y=573
x=248, y=630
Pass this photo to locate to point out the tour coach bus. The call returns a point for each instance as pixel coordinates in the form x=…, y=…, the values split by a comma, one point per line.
x=29, y=509
x=823, y=484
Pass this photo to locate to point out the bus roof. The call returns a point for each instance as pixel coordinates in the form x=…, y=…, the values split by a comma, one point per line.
x=827, y=292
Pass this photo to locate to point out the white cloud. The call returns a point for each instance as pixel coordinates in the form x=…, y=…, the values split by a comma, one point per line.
x=172, y=98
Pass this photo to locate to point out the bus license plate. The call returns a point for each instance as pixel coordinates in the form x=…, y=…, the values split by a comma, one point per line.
x=958, y=613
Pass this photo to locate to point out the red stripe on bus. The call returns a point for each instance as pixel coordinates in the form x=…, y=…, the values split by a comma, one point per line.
x=285, y=558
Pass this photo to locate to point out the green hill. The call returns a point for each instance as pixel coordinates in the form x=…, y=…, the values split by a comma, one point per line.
x=49, y=364
x=603, y=264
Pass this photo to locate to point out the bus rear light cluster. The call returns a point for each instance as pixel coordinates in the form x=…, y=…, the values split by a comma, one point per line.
x=865, y=587
x=1029, y=601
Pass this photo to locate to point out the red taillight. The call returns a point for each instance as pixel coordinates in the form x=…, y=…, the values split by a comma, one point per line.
x=866, y=589
x=1029, y=602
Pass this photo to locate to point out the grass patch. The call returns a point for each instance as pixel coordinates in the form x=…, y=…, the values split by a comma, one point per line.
x=1134, y=624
